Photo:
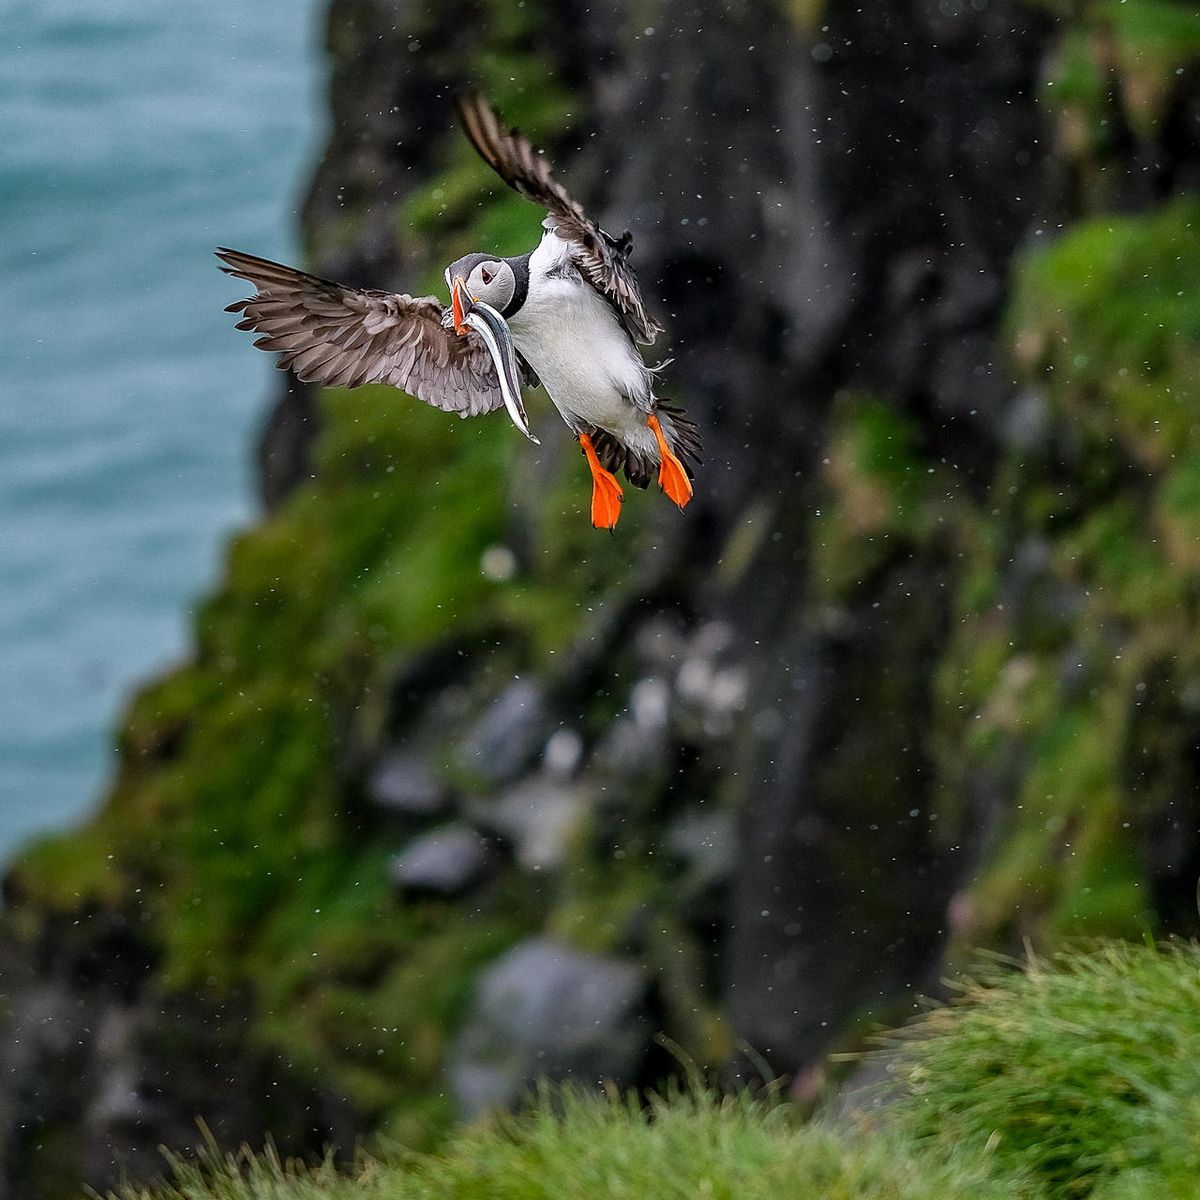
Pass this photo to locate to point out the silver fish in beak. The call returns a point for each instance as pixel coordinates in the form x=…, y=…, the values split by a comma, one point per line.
x=493, y=328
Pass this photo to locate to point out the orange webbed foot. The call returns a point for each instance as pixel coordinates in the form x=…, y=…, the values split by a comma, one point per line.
x=606, y=501
x=606, y=491
x=672, y=478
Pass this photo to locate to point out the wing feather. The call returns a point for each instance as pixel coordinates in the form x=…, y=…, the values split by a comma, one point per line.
x=601, y=259
x=344, y=337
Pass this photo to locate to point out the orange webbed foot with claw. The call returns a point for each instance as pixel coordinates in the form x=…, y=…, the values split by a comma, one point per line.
x=672, y=478
x=606, y=491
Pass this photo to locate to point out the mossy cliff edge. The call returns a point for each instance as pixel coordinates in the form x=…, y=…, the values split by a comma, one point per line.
x=915, y=672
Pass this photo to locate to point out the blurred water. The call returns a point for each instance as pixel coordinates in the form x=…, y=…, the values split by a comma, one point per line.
x=133, y=138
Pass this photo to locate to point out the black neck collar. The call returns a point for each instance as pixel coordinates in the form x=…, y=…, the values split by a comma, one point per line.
x=520, y=270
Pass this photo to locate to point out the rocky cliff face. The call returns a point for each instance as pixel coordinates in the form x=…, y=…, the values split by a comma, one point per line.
x=458, y=792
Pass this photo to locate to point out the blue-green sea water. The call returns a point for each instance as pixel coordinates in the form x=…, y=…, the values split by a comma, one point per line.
x=134, y=137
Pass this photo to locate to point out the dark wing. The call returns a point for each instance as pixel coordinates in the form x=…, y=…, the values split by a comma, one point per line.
x=603, y=260
x=529, y=376
x=344, y=337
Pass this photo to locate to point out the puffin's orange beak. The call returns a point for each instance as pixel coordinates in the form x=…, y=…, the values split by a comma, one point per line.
x=458, y=290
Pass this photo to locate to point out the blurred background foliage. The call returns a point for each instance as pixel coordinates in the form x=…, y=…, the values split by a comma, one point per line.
x=917, y=673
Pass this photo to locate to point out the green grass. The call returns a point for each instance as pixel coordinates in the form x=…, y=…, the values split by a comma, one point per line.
x=1074, y=1073
x=579, y=1148
x=1078, y=1078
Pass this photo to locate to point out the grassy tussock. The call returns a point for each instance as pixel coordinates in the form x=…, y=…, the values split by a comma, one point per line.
x=1072, y=1079
x=1074, y=1072
x=582, y=1148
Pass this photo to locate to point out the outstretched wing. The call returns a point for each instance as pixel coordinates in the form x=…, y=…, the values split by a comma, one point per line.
x=603, y=260
x=344, y=337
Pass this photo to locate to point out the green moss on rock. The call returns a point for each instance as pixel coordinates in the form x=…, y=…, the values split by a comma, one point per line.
x=879, y=499
x=1096, y=575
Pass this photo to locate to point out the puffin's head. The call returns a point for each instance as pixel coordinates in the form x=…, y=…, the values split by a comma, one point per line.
x=476, y=277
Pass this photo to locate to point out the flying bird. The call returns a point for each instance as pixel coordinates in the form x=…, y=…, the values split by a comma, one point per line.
x=566, y=314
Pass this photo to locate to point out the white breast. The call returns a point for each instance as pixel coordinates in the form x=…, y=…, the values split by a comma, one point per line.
x=585, y=360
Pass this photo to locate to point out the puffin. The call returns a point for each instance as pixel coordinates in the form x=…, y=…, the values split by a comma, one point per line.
x=568, y=314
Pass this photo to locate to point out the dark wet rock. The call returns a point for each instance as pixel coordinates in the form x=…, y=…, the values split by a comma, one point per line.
x=650, y=703
x=444, y=862
x=104, y=1069
x=1027, y=421
x=546, y=1010
x=403, y=784
x=631, y=750
x=1040, y=601
x=823, y=788
x=660, y=644
x=507, y=738
x=562, y=754
x=705, y=839
x=711, y=681
x=863, y=1094
x=119, y=1107
x=285, y=445
x=539, y=818
x=715, y=693
x=637, y=742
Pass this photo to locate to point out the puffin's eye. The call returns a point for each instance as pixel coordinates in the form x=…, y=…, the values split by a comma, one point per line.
x=488, y=276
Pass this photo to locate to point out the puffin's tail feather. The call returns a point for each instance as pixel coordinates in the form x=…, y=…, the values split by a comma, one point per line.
x=640, y=469
x=684, y=435
x=614, y=456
